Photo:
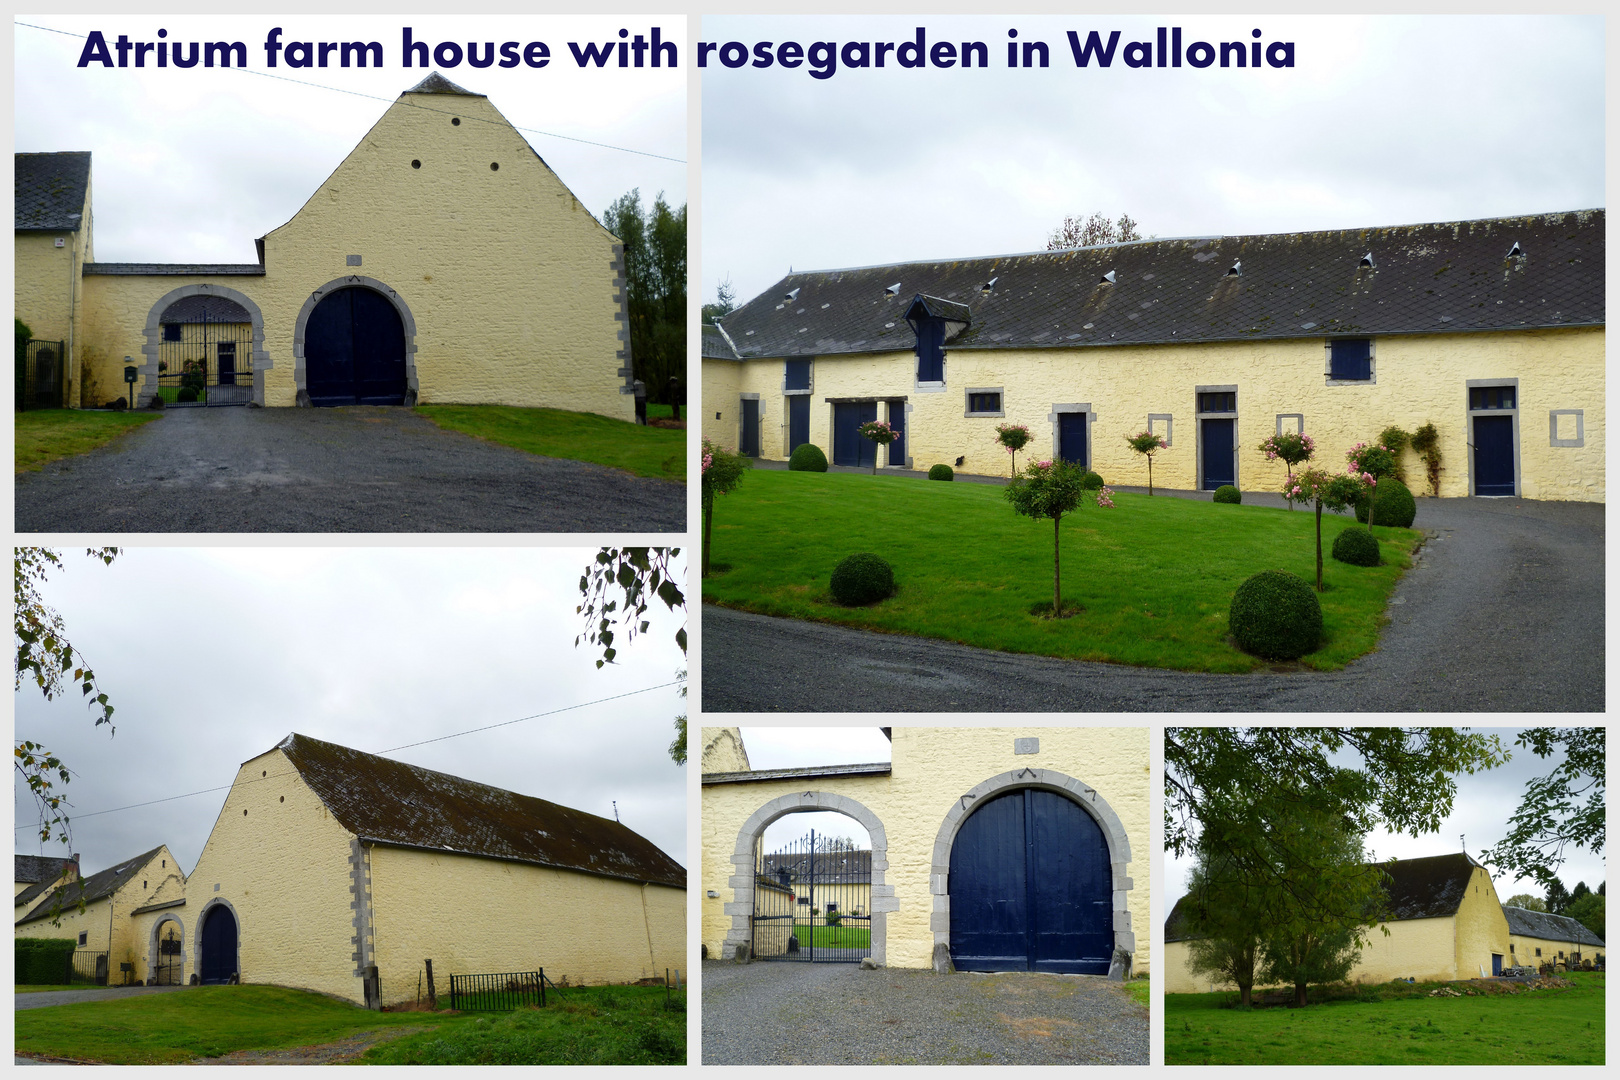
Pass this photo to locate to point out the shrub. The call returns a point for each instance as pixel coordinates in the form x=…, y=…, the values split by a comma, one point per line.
x=1226, y=493
x=1426, y=444
x=862, y=579
x=43, y=961
x=187, y=393
x=1275, y=614
x=807, y=457
x=941, y=472
x=1392, y=504
x=1358, y=547
x=1092, y=482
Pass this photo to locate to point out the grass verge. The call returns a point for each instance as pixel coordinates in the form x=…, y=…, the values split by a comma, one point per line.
x=1543, y=1027
x=659, y=453
x=1154, y=576
x=1140, y=989
x=46, y=435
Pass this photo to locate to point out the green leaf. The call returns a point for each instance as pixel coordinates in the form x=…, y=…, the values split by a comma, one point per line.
x=670, y=594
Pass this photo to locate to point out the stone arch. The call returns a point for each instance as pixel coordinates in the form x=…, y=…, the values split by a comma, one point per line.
x=197, y=939
x=1076, y=791
x=741, y=908
x=148, y=369
x=157, y=935
x=350, y=281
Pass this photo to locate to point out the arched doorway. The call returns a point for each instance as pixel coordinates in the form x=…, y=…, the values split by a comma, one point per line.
x=213, y=328
x=813, y=890
x=217, y=945
x=1039, y=883
x=354, y=350
x=168, y=953
x=1029, y=888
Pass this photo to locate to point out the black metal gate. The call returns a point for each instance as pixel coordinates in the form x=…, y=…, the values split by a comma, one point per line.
x=205, y=354
x=169, y=955
x=40, y=376
x=813, y=901
x=500, y=992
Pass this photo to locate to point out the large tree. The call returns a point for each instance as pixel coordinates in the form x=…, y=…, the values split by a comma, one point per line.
x=1589, y=912
x=1224, y=921
x=655, y=284
x=1089, y=232
x=724, y=303
x=1564, y=809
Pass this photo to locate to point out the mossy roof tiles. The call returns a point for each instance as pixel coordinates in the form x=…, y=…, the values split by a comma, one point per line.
x=95, y=887
x=1549, y=927
x=51, y=189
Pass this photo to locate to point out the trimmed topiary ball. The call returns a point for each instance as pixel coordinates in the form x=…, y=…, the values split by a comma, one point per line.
x=1091, y=481
x=1276, y=615
x=1358, y=547
x=1394, y=502
x=1226, y=493
x=807, y=457
x=862, y=579
x=187, y=393
x=941, y=472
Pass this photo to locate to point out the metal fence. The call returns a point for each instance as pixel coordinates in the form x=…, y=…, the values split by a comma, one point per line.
x=40, y=375
x=498, y=992
x=89, y=967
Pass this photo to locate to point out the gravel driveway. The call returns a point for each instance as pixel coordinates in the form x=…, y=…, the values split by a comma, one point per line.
x=42, y=998
x=331, y=470
x=837, y=1014
x=1502, y=612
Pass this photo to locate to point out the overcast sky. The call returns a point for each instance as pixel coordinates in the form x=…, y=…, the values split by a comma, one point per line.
x=1484, y=802
x=192, y=165
x=212, y=655
x=1384, y=120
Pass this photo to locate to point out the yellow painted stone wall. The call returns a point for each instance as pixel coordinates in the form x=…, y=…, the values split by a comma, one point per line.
x=281, y=861
x=48, y=291
x=93, y=922
x=722, y=415
x=1524, y=951
x=1419, y=378
x=471, y=915
x=1482, y=929
x=932, y=769
x=723, y=750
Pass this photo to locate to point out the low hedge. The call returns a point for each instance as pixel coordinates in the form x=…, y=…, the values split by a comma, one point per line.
x=1226, y=493
x=1394, y=503
x=941, y=472
x=807, y=457
x=44, y=961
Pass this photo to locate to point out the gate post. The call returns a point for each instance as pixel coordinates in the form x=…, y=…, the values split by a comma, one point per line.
x=433, y=995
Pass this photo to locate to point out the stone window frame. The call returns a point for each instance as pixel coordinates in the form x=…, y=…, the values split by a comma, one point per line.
x=1081, y=794
x=1001, y=401
x=811, y=361
x=739, y=939
x=1299, y=416
x=1372, y=363
x=1580, y=427
x=1169, y=426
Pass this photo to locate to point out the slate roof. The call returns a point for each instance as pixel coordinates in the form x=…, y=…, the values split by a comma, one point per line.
x=217, y=309
x=1428, y=888
x=93, y=888
x=1441, y=277
x=162, y=269
x=51, y=190
x=716, y=346
x=1541, y=924
x=832, y=867
x=438, y=84
x=390, y=802
x=42, y=871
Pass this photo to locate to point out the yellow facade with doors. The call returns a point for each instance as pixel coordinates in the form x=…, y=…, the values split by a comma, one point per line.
x=932, y=769
x=1420, y=378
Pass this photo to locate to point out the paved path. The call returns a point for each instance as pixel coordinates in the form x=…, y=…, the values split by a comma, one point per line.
x=837, y=1014
x=72, y=997
x=1503, y=612
x=331, y=470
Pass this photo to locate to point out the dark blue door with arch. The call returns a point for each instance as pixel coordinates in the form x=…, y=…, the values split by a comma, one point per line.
x=1031, y=888
x=354, y=350
x=218, y=946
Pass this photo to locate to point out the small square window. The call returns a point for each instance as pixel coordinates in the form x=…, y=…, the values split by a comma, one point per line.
x=797, y=376
x=1491, y=397
x=1350, y=359
x=1217, y=403
x=984, y=402
x=171, y=331
x=84, y=937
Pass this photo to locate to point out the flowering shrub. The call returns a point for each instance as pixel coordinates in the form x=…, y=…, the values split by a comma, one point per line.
x=1050, y=489
x=1014, y=437
x=879, y=432
x=1292, y=448
x=1374, y=462
x=1147, y=444
x=722, y=472
x=1336, y=491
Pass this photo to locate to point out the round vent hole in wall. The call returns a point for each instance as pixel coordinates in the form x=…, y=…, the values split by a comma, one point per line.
x=415, y=164
x=494, y=166
x=455, y=121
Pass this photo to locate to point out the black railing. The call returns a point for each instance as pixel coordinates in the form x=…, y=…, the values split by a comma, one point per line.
x=89, y=967
x=498, y=993
x=40, y=376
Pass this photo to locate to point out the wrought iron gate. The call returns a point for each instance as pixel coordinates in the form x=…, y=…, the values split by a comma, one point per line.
x=205, y=355
x=813, y=901
x=40, y=376
x=169, y=955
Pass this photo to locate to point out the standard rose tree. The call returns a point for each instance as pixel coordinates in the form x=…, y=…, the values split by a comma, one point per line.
x=1147, y=444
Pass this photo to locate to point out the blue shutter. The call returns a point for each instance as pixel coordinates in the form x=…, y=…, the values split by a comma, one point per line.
x=798, y=375
x=1352, y=359
x=931, y=350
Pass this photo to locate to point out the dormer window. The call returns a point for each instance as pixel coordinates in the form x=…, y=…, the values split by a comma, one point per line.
x=989, y=286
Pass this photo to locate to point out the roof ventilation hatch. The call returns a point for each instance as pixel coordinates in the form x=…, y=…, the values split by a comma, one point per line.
x=1517, y=252
x=892, y=290
x=1236, y=270
x=793, y=294
x=989, y=286
x=1106, y=279
x=1367, y=262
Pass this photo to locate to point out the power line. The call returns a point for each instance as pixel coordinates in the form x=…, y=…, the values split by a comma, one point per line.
x=379, y=753
x=396, y=101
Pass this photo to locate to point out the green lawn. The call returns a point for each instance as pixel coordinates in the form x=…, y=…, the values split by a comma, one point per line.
x=1155, y=575
x=835, y=937
x=596, y=1025
x=1140, y=989
x=48, y=434
x=1544, y=1027
x=659, y=453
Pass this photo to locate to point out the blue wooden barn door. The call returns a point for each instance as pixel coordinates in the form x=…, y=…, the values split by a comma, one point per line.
x=1220, y=465
x=354, y=350
x=749, y=445
x=1072, y=438
x=897, y=420
x=1031, y=888
x=849, y=447
x=1493, y=455
x=798, y=421
x=218, y=946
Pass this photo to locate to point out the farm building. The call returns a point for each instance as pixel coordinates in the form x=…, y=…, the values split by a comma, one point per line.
x=1491, y=330
x=1445, y=922
x=36, y=873
x=990, y=849
x=1539, y=937
x=119, y=923
x=442, y=262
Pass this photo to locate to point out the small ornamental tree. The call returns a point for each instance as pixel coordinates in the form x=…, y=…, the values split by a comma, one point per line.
x=1374, y=462
x=1336, y=491
x=722, y=472
x=1291, y=448
x=881, y=433
x=1050, y=489
x=1147, y=444
x=1014, y=437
